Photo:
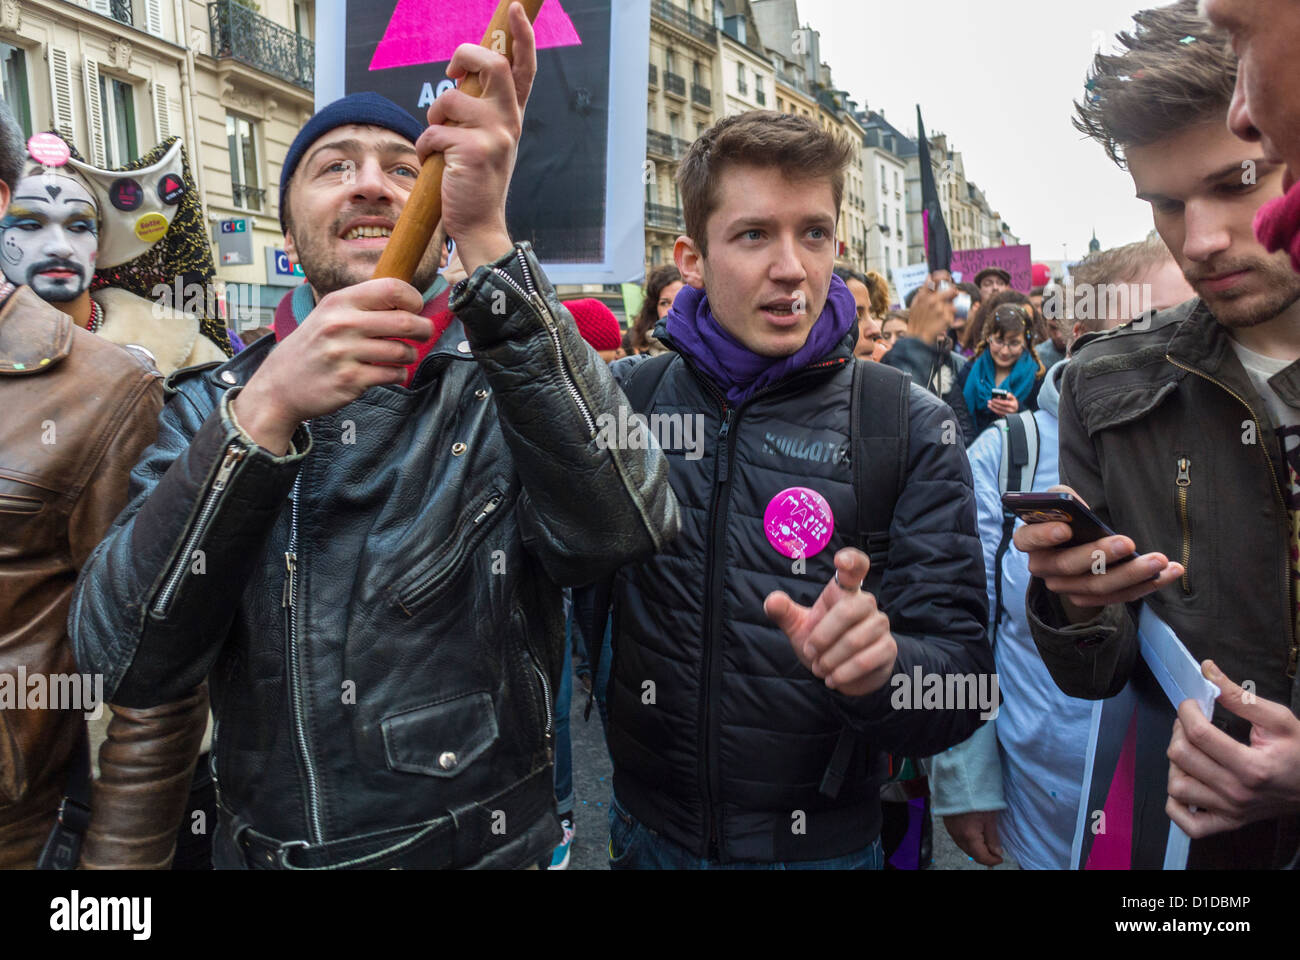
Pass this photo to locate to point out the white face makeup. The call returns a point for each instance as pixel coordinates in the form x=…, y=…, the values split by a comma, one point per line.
x=49, y=239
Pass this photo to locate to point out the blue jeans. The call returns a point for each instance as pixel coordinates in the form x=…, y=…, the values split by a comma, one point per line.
x=634, y=846
x=564, y=798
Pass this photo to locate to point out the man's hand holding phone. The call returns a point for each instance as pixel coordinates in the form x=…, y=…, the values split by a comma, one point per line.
x=1093, y=574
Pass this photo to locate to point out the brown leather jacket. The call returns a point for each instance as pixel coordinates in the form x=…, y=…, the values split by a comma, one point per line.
x=78, y=412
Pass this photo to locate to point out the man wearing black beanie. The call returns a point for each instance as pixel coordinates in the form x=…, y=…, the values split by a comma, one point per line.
x=358, y=529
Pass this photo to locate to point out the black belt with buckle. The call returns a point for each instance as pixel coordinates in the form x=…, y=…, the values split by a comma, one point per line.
x=460, y=838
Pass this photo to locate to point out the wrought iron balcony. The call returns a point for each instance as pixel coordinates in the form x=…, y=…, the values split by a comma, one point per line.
x=654, y=75
x=120, y=10
x=659, y=144
x=240, y=34
x=664, y=217
x=701, y=94
x=684, y=20
x=250, y=198
x=675, y=84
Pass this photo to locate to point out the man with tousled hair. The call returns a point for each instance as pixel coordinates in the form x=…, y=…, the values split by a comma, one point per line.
x=1182, y=429
x=751, y=695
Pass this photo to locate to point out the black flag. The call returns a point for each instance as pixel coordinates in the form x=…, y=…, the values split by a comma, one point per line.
x=938, y=245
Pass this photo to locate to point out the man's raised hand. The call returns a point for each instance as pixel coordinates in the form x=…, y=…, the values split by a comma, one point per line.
x=478, y=138
x=843, y=638
x=342, y=349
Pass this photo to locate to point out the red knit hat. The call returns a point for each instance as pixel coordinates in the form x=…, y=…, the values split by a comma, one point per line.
x=597, y=324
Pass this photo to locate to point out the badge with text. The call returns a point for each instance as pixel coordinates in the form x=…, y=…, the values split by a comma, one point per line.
x=171, y=188
x=125, y=194
x=48, y=150
x=151, y=227
x=798, y=522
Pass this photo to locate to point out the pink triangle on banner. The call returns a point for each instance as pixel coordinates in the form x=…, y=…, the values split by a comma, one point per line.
x=429, y=31
x=1113, y=849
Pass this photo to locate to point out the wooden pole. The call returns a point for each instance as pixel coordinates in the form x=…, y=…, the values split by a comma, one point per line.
x=414, y=228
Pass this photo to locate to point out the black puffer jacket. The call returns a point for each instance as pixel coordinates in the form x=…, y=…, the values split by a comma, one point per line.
x=719, y=736
x=379, y=610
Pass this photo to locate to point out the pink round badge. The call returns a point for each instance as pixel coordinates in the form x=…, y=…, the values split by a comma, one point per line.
x=48, y=150
x=798, y=522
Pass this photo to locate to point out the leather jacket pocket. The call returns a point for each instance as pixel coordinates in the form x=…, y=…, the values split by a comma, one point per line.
x=19, y=505
x=440, y=739
x=436, y=573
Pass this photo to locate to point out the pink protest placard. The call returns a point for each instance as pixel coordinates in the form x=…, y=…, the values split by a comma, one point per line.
x=1014, y=260
x=429, y=31
x=798, y=522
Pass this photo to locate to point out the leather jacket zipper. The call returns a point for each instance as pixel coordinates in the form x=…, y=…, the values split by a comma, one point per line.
x=1294, y=656
x=548, y=703
x=290, y=602
x=543, y=313
x=235, y=453
x=419, y=593
x=1183, y=481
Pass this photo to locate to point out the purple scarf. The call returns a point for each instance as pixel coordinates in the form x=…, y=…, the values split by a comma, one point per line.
x=736, y=369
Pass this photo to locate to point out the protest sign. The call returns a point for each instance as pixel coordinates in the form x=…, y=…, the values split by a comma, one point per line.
x=1122, y=824
x=577, y=193
x=1014, y=260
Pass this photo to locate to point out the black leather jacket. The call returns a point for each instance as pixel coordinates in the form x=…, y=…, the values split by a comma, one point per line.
x=380, y=609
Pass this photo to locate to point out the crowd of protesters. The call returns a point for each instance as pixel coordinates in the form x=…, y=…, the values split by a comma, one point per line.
x=337, y=581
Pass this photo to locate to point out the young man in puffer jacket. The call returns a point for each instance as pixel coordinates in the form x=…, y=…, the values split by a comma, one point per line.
x=755, y=684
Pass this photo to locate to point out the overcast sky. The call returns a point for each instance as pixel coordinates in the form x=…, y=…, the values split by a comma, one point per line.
x=999, y=78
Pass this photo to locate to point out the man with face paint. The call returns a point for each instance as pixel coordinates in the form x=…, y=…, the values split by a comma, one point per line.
x=49, y=240
x=62, y=226
x=78, y=413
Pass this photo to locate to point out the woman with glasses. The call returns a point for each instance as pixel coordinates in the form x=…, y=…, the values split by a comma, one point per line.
x=1006, y=373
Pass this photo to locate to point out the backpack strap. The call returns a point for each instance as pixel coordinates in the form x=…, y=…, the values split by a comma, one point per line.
x=878, y=448
x=643, y=382
x=640, y=388
x=1016, y=475
x=878, y=441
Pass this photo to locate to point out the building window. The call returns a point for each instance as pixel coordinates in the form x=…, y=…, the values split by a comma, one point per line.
x=656, y=256
x=670, y=61
x=900, y=258
x=13, y=85
x=118, y=100
x=740, y=78
x=301, y=18
x=675, y=124
x=759, y=92
x=245, y=180
x=695, y=72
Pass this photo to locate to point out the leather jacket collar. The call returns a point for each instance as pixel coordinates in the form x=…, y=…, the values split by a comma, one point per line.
x=34, y=336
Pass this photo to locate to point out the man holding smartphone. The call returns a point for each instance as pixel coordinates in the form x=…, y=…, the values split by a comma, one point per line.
x=1182, y=429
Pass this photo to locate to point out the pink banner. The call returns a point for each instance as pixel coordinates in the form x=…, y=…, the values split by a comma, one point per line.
x=1014, y=260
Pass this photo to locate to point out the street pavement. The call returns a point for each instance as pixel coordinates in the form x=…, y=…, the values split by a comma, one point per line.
x=592, y=779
